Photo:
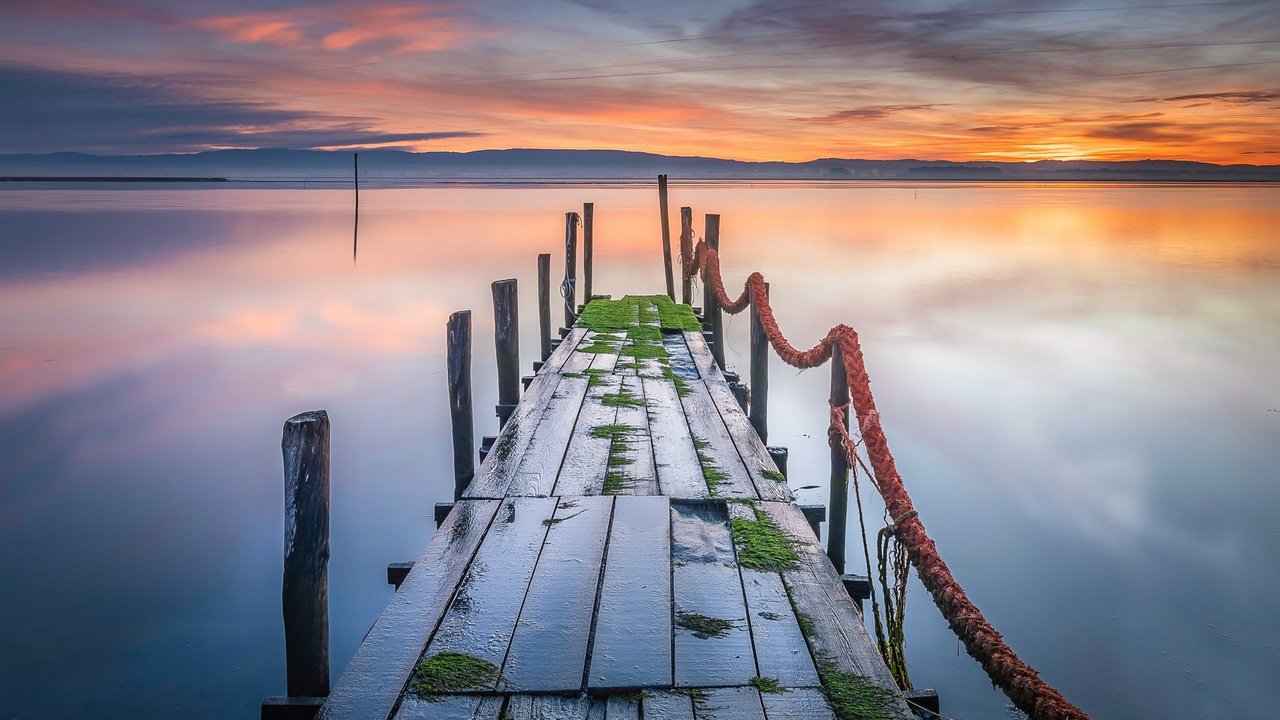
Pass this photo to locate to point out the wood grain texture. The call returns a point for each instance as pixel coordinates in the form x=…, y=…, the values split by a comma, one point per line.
x=450, y=707
x=666, y=706
x=583, y=469
x=751, y=449
x=637, y=451
x=797, y=704
x=739, y=703
x=676, y=461
x=482, y=616
x=376, y=675
x=549, y=707
x=499, y=466
x=706, y=586
x=549, y=649
x=632, y=647
x=719, y=452
x=838, y=635
x=623, y=707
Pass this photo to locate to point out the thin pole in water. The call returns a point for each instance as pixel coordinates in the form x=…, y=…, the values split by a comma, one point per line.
x=355, y=231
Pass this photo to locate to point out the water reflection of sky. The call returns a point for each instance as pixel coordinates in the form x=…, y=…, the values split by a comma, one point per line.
x=1078, y=384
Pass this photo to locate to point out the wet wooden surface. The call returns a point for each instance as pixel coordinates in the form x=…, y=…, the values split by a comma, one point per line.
x=583, y=568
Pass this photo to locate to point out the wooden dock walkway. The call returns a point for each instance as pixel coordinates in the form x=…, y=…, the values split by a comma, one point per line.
x=627, y=549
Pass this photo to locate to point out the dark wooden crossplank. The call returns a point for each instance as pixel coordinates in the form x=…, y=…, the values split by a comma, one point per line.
x=628, y=548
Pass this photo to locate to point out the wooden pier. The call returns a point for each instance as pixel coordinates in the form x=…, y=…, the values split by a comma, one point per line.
x=628, y=548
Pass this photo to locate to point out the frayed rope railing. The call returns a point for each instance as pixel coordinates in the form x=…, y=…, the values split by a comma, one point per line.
x=1019, y=681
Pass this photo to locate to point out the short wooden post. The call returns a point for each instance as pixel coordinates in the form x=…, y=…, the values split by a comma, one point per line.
x=506, y=338
x=780, y=456
x=666, y=235
x=544, y=305
x=588, y=228
x=461, y=415
x=686, y=254
x=839, y=468
x=305, y=595
x=570, y=266
x=710, y=302
x=759, y=372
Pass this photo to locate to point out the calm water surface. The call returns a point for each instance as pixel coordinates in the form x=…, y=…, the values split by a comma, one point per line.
x=1079, y=382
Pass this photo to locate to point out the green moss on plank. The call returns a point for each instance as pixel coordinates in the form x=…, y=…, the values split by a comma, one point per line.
x=449, y=672
x=634, y=310
x=854, y=697
x=766, y=684
x=804, y=621
x=622, y=399
x=761, y=544
x=645, y=332
x=616, y=482
x=704, y=626
x=773, y=475
x=613, y=431
x=644, y=349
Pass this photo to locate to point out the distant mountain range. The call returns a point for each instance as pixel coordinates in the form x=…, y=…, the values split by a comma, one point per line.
x=398, y=165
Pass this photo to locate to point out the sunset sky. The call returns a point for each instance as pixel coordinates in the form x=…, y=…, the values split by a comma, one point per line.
x=753, y=79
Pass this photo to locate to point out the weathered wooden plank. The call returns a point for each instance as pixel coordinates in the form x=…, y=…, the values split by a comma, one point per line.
x=499, y=466
x=676, y=460
x=376, y=675
x=549, y=649
x=667, y=706
x=450, y=707
x=566, y=348
x=548, y=707
x=797, y=704
x=781, y=651
x=632, y=647
x=815, y=587
x=583, y=469
x=751, y=449
x=538, y=469
x=623, y=707
x=482, y=616
x=739, y=703
x=602, y=360
x=636, y=453
x=712, y=636
x=728, y=475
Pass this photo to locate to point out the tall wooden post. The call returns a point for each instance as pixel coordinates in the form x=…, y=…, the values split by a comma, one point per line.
x=570, y=267
x=666, y=235
x=839, y=504
x=588, y=223
x=759, y=372
x=355, y=227
x=305, y=595
x=544, y=305
x=710, y=302
x=686, y=254
x=506, y=337
x=461, y=416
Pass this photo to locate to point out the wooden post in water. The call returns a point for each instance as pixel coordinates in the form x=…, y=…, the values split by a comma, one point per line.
x=711, y=303
x=305, y=595
x=544, y=305
x=355, y=228
x=588, y=223
x=759, y=372
x=839, y=504
x=458, y=345
x=666, y=235
x=686, y=251
x=506, y=338
x=570, y=266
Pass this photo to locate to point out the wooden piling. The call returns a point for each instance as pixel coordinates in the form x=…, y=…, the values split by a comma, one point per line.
x=544, y=305
x=759, y=372
x=711, y=303
x=588, y=227
x=839, y=504
x=666, y=235
x=305, y=593
x=570, y=266
x=506, y=336
x=461, y=415
x=686, y=251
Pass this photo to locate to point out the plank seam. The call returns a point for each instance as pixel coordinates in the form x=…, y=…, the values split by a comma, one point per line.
x=595, y=607
x=546, y=532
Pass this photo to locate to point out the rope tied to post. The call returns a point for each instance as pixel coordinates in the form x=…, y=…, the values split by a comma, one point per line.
x=1019, y=681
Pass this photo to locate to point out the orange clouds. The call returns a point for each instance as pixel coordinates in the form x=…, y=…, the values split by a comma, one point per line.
x=396, y=28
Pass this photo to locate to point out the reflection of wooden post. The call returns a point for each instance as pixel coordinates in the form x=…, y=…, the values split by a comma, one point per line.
x=839, y=466
x=588, y=223
x=686, y=254
x=759, y=372
x=458, y=346
x=506, y=337
x=666, y=235
x=710, y=302
x=305, y=595
x=570, y=266
x=544, y=305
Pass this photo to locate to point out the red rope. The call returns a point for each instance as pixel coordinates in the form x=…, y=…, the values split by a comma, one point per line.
x=1019, y=681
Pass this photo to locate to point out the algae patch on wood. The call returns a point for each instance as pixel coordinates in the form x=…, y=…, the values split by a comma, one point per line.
x=773, y=475
x=766, y=684
x=448, y=672
x=703, y=626
x=761, y=544
x=854, y=697
x=632, y=310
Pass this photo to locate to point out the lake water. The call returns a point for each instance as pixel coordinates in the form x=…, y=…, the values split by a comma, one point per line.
x=1080, y=385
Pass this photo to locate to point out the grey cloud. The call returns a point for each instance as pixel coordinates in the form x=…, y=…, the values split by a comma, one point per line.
x=868, y=112
x=1141, y=132
x=1244, y=97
